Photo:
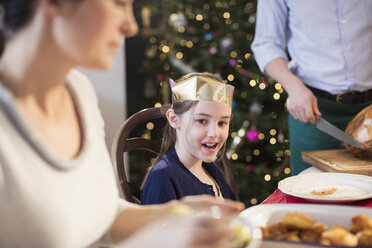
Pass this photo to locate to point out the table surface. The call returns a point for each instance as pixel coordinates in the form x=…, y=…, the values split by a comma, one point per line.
x=280, y=197
x=338, y=160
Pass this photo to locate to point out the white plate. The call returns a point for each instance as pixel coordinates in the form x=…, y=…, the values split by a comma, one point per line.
x=267, y=214
x=349, y=187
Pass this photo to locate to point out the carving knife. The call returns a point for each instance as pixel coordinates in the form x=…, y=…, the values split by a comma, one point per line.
x=335, y=132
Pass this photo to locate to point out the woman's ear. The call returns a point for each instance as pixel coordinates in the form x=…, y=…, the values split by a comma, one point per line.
x=50, y=7
x=54, y=7
x=173, y=119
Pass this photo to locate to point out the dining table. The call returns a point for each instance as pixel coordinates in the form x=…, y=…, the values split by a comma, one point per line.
x=273, y=207
x=280, y=197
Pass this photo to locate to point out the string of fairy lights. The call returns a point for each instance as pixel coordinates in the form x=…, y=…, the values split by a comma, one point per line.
x=172, y=50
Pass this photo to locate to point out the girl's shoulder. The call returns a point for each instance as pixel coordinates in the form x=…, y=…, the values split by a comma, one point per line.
x=167, y=162
x=168, y=165
x=162, y=165
x=159, y=173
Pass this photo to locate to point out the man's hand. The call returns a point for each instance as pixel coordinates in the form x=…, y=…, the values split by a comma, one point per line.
x=302, y=104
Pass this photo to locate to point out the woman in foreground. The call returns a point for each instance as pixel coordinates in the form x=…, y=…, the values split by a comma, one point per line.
x=57, y=186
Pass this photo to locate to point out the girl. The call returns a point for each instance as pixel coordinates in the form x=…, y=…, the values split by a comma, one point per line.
x=198, y=126
x=57, y=186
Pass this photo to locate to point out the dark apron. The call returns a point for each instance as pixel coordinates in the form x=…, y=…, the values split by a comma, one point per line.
x=306, y=137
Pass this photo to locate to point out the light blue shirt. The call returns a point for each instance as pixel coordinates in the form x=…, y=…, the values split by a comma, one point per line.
x=329, y=41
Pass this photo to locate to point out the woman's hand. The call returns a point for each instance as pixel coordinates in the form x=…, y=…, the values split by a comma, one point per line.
x=200, y=202
x=200, y=210
x=211, y=232
x=211, y=218
x=182, y=232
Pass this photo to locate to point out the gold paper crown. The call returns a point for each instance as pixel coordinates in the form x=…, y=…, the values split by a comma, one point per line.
x=198, y=88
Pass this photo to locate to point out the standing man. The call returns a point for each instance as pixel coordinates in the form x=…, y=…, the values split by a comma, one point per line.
x=330, y=72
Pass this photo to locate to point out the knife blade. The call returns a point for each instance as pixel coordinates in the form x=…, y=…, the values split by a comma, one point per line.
x=335, y=132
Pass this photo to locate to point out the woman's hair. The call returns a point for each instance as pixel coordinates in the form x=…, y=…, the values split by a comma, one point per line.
x=179, y=108
x=14, y=15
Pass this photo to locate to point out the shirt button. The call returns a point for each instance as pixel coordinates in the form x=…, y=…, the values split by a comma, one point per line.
x=343, y=21
x=347, y=48
x=350, y=75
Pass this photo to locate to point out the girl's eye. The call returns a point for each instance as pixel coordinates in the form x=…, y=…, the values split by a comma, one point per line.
x=222, y=123
x=202, y=121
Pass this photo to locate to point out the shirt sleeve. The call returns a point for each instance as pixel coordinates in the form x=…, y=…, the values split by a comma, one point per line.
x=271, y=32
x=158, y=188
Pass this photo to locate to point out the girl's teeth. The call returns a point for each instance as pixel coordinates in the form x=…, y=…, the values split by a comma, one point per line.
x=210, y=145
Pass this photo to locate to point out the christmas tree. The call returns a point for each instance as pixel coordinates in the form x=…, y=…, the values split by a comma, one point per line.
x=215, y=36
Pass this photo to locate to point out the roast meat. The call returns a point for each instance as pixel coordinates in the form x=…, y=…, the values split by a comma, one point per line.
x=360, y=128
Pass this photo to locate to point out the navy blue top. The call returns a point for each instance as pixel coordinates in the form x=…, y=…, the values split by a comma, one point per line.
x=170, y=180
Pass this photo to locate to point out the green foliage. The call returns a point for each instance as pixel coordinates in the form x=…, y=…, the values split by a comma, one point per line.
x=215, y=36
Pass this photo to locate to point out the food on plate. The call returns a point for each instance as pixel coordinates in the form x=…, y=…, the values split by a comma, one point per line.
x=290, y=236
x=365, y=237
x=241, y=234
x=339, y=235
x=314, y=234
x=299, y=227
x=361, y=225
x=360, y=128
x=181, y=209
x=360, y=222
x=329, y=191
x=297, y=221
x=274, y=230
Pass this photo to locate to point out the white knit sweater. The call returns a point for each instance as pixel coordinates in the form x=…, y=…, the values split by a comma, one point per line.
x=49, y=201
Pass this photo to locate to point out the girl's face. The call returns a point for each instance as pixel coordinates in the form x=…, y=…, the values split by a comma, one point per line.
x=90, y=32
x=202, y=131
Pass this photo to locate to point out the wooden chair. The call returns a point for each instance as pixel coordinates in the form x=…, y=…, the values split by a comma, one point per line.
x=124, y=143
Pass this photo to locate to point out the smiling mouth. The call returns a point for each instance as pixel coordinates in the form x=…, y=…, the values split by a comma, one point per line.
x=210, y=145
